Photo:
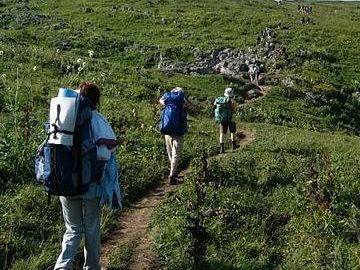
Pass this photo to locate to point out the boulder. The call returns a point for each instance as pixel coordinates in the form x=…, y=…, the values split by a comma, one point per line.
x=254, y=93
x=288, y=82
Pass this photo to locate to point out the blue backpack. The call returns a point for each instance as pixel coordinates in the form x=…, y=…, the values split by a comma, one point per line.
x=68, y=170
x=173, y=116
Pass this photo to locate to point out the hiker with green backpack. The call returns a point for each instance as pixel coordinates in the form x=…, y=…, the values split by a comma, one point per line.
x=224, y=107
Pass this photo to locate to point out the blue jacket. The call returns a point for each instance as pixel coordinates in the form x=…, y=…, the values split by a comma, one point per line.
x=109, y=187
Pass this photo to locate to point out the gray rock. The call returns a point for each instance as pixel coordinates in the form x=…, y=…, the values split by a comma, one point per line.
x=59, y=26
x=128, y=8
x=288, y=82
x=87, y=10
x=253, y=93
x=64, y=45
x=317, y=99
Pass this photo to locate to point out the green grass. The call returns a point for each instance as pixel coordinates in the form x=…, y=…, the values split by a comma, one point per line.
x=121, y=257
x=289, y=202
x=271, y=177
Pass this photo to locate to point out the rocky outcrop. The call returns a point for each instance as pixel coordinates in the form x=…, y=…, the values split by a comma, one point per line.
x=229, y=61
x=217, y=61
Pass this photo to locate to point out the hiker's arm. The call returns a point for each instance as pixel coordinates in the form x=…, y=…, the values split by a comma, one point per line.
x=214, y=105
x=189, y=106
x=233, y=106
x=162, y=101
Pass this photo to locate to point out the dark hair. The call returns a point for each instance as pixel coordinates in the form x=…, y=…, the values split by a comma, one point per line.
x=91, y=91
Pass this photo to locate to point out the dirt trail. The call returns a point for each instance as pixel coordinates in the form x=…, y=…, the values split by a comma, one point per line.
x=134, y=222
x=133, y=227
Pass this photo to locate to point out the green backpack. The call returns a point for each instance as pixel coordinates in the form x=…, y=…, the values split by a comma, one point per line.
x=222, y=109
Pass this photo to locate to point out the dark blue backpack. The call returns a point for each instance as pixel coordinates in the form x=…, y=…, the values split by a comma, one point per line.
x=69, y=170
x=173, y=116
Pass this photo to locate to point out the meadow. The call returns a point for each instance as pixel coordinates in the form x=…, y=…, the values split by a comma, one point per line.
x=288, y=200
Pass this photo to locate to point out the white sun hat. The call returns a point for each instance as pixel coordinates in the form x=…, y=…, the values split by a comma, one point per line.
x=177, y=89
x=229, y=92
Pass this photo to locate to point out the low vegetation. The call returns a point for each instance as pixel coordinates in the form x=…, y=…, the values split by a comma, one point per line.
x=286, y=201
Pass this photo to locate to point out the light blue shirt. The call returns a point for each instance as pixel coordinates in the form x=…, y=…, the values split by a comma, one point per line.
x=108, y=187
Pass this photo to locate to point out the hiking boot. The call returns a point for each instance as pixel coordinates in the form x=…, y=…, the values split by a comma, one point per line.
x=172, y=180
x=234, y=145
x=222, y=148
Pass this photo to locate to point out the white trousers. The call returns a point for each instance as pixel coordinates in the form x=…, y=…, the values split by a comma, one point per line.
x=174, y=146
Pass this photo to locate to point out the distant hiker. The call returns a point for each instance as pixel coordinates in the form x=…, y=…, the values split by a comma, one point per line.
x=254, y=71
x=82, y=212
x=173, y=124
x=268, y=32
x=224, y=108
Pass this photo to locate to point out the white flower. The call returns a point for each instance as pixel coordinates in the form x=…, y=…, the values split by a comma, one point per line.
x=1, y=53
x=91, y=53
x=83, y=64
x=57, y=50
x=34, y=68
x=3, y=76
x=68, y=67
x=79, y=60
x=102, y=74
x=80, y=69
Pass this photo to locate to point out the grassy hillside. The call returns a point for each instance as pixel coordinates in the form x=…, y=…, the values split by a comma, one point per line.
x=296, y=168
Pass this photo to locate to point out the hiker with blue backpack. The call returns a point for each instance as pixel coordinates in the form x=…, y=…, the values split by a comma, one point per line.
x=173, y=124
x=224, y=108
x=77, y=163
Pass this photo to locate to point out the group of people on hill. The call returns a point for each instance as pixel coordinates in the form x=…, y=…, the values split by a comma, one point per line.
x=82, y=210
x=305, y=9
x=173, y=123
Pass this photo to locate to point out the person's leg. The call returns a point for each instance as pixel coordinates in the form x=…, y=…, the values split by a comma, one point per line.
x=169, y=150
x=168, y=143
x=232, y=136
x=232, y=129
x=72, y=214
x=223, y=130
x=92, y=212
x=177, y=146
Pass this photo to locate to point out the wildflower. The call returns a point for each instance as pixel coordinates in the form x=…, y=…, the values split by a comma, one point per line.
x=91, y=53
x=79, y=60
x=34, y=68
x=3, y=76
x=68, y=67
x=1, y=53
x=83, y=64
x=80, y=69
x=57, y=50
x=102, y=75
